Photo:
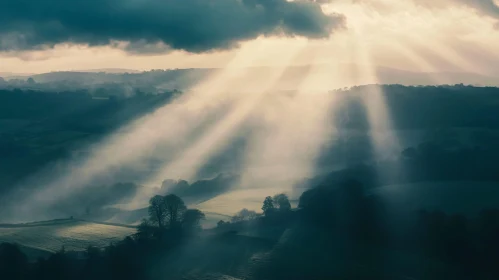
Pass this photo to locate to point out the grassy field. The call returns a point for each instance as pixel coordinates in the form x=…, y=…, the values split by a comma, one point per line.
x=74, y=235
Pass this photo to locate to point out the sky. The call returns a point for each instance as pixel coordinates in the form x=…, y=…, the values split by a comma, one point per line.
x=417, y=35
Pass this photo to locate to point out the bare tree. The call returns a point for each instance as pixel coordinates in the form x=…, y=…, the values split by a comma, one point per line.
x=157, y=210
x=175, y=208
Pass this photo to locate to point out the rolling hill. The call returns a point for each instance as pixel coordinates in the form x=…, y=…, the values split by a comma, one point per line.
x=74, y=235
x=461, y=198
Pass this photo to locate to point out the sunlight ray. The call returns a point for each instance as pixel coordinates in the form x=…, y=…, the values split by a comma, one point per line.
x=382, y=136
x=168, y=125
x=424, y=65
x=295, y=128
x=187, y=164
x=445, y=52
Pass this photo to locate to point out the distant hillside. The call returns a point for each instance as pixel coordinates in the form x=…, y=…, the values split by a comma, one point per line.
x=10, y=75
x=396, y=76
x=111, y=70
x=340, y=76
x=170, y=79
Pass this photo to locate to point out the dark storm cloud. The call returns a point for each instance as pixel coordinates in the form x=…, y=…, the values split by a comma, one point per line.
x=192, y=25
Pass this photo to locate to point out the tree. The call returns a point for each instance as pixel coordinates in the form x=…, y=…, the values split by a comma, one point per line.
x=268, y=206
x=282, y=202
x=157, y=210
x=145, y=230
x=191, y=219
x=221, y=223
x=175, y=208
x=31, y=81
x=244, y=215
x=94, y=265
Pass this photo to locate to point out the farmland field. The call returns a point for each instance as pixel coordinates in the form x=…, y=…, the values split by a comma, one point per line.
x=74, y=235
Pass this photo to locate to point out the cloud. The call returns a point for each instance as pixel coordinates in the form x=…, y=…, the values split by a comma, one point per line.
x=486, y=7
x=191, y=25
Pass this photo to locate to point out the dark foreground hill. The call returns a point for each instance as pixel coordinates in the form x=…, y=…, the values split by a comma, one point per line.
x=339, y=231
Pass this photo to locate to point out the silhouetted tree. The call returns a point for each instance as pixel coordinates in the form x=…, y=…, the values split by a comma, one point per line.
x=268, y=206
x=58, y=266
x=282, y=202
x=123, y=260
x=244, y=215
x=94, y=266
x=30, y=81
x=157, y=210
x=175, y=208
x=146, y=230
x=221, y=223
x=191, y=219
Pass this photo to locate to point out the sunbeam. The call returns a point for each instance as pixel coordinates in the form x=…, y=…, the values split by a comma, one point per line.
x=422, y=64
x=166, y=128
x=382, y=136
x=187, y=164
x=294, y=127
x=445, y=52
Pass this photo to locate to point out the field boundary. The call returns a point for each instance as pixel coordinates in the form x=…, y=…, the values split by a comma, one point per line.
x=57, y=222
x=40, y=223
x=107, y=224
